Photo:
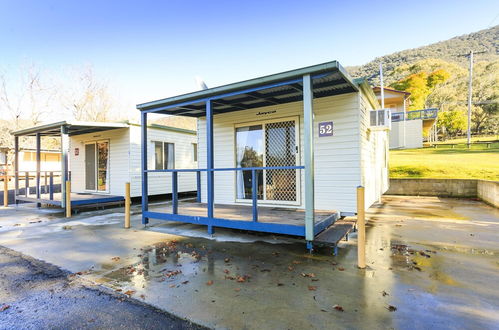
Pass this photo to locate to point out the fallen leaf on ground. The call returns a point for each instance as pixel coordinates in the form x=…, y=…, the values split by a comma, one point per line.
x=334, y=263
x=341, y=269
x=243, y=278
x=210, y=282
x=172, y=285
x=308, y=274
x=290, y=268
x=237, y=289
x=129, y=292
x=4, y=307
x=338, y=308
x=226, y=271
x=296, y=262
x=312, y=288
x=142, y=296
x=391, y=308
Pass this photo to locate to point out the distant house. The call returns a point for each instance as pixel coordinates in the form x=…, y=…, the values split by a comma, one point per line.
x=50, y=160
x=409, y=128
x=99, y=158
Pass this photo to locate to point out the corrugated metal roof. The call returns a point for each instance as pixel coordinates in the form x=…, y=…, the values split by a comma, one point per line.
x=328, y=79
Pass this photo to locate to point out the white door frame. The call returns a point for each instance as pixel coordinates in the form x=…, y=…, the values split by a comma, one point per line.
x=262, y=122
x=96, y=166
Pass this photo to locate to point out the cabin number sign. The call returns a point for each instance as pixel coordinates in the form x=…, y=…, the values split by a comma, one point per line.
x=325, y=128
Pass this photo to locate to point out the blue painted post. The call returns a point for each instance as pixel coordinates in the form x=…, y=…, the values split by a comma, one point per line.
x=209, y=163
x=16, y=168
x=45, y=186
x=145, y=199
x=38, y=167
x=51, y=188
x=26, y=183
x=198, y=183
x=175, y=192
x=254, y=195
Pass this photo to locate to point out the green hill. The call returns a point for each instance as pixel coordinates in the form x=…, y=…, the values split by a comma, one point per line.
x=448, y=50
x=436, y=76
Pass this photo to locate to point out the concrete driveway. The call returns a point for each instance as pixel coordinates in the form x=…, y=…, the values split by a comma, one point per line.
x=433, y=262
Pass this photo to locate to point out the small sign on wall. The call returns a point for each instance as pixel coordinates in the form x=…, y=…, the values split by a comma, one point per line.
x=325, y=128
x=77, y=151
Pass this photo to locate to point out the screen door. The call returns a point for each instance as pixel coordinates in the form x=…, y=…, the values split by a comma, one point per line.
x=268, y=144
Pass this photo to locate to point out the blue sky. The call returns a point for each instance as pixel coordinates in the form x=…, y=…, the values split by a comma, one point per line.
x=154, y=49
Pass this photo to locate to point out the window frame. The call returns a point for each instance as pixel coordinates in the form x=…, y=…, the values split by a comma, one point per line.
x=164, y=155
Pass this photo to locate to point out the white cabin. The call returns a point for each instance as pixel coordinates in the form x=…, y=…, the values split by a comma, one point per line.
x=98, y=159
x=102, y=162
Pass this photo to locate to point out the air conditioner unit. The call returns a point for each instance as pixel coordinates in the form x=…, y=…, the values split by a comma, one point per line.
x=380, y=119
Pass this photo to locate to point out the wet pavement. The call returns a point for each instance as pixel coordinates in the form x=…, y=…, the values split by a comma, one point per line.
x=432, y=263
x=36, y=295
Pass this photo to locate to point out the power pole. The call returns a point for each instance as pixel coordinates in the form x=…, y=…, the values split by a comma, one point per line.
x=470, y=93
x=470, y=90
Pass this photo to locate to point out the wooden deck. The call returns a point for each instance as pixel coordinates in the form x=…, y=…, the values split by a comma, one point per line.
x=266, y=214
x=77, y=199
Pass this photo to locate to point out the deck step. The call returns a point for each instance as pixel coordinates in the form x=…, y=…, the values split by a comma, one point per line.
x=334, y=233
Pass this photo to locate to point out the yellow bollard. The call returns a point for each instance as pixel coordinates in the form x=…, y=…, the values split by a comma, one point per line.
x=6, y=189
x=361, y=228
x=68, y=199
x=127, y=205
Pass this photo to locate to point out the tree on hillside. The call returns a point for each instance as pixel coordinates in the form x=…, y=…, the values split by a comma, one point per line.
x=87, y=98
x=453, y=122
x=420, y=85
x=30, y=95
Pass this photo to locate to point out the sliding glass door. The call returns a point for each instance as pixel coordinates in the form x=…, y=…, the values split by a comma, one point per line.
x=96, y=166
x=268, y=144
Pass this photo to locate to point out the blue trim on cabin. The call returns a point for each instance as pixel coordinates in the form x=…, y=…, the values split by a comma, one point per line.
x=234, y=224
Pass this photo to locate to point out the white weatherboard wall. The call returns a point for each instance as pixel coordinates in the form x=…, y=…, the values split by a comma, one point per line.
x=413, y=134
x=125, y=163
x=161, y=183
x=337, y=158
x=374, y=156
x=118, y=167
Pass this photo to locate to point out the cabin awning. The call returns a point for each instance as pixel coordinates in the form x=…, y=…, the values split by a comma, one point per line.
x=327, y=79
x=70, y=128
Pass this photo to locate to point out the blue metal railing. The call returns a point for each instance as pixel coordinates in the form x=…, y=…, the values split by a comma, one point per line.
x=47, y=187
x=415, y=114
x=254, y=182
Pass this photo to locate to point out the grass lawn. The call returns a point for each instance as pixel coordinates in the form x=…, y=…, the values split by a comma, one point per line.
x=458, y=163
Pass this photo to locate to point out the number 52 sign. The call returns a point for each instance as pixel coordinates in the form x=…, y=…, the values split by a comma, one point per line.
x=325, y=128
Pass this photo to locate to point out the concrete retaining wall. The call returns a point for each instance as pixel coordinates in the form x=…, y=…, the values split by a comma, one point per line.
x=488, y=191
